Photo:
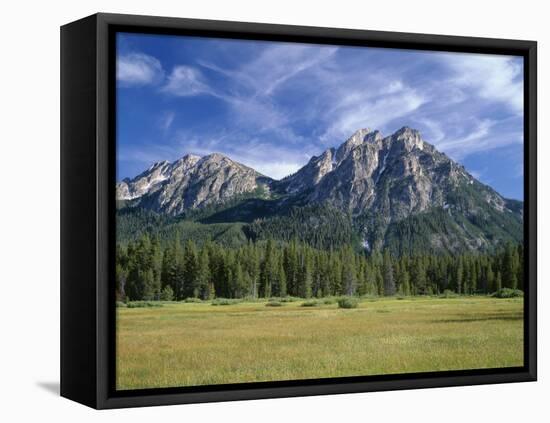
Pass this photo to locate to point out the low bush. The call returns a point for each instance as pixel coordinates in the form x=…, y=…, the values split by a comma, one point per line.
x=448, y=294
x=143, y=304
x=288, y=299
x=329, y=300
x=225, y=301
x=193, y=300
x=121, y=304
x=508, y=293
x=271, y=303
x=348, y=302
x=311, y=303
x=167, y=293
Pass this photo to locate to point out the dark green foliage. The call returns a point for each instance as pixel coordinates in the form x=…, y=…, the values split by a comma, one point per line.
x=133, y=223
x=320, y=226
x=389, y=283
x=441, y=230
x=311, y=303
x=283, y=271
x=167, y=293
x=348, y=302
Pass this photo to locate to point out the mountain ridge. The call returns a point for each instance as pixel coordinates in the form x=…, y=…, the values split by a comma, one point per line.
x=381, y=182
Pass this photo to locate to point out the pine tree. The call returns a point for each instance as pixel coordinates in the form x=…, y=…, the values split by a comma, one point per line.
x=267, y=274
x=191, y=265
x=203, y=275
x=490, y=278
x=419, y=276
x=510, y=265
x=306, y=275
x=389, y=282
x=498, y=282
x=349, y=274
x=459, y=275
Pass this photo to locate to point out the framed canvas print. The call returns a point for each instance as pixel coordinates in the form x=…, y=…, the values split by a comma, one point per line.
x=255, y=211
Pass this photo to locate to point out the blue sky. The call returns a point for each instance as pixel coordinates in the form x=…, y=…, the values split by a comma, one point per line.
x=273, y=105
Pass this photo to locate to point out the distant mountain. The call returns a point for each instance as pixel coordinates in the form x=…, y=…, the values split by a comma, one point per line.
x=396, y=192
x=190, y=182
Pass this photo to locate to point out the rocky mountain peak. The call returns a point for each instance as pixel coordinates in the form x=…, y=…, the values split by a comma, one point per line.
x=356, y=139
x=409, y=137
x=190, y=182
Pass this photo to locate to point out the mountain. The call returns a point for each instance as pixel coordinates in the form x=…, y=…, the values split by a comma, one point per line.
x=397, y=192
x=190, y=182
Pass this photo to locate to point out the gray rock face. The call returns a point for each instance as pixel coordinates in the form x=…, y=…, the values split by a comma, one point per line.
x=394, y=177
x=397, y=175
x=190, y=182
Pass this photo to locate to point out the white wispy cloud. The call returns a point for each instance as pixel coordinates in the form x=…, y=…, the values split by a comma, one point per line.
x=273, y=160
x=186, y=81
x=483, y=135
x=359, y=111
x=166, y=119
x=138, y=69
x=494, y=78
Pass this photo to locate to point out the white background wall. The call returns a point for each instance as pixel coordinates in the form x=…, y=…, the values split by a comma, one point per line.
x=29, y=232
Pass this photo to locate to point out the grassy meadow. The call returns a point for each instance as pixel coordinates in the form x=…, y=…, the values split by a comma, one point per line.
x=189, y=344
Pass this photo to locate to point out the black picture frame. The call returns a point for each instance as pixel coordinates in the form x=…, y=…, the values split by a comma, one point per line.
x=87, y=209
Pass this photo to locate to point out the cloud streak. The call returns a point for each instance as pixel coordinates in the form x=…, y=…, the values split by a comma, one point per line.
x=138, y=69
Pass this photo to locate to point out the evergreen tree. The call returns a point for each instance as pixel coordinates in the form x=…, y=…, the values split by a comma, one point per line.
x=510, y=265
x=389, y=282
x=349, y=273
x=190, y=271
x=203, y=275
x=498, y=282
x=459, y=275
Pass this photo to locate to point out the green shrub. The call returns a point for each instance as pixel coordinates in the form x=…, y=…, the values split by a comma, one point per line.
x=508, y=293
x=311, y=303
x=192, y=300
x=289, y=299
x=167, y=293
x=121, y=304
x=225, y=301
x=251, y=299
x=448, y=294
x=329, y=300
x=348, y=302
x=143, y=304
x=271, y=303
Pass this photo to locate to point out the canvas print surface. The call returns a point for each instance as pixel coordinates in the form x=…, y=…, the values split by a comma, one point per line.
x=293, y=211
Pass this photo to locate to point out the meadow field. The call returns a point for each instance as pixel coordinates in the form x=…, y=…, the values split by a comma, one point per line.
x=188, y=344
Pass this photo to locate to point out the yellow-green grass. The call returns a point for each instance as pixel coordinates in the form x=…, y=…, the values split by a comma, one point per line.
x=187, y=344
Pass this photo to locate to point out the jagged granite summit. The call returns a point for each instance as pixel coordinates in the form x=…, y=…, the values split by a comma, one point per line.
x=387, y=185
x=399, y=174
x=190, y=182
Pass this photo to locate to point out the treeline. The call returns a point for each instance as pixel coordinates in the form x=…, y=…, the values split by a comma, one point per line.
x=320, y=226
x=147, y=271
